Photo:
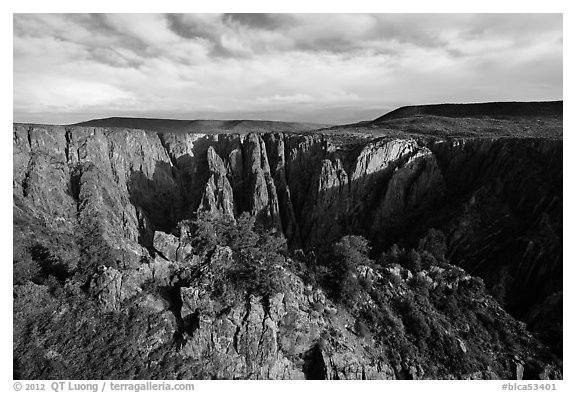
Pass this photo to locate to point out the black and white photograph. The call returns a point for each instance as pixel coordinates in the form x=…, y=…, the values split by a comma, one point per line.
x=287, y=196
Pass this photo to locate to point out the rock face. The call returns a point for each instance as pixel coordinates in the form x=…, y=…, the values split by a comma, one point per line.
x=218, y=196
x=121, y=194
x=300, y=185
x=269, y=338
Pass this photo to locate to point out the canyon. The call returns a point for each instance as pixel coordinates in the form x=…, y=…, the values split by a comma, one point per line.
x=107, y=216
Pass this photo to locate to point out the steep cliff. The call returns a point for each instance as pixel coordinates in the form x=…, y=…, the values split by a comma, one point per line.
x=109, y=214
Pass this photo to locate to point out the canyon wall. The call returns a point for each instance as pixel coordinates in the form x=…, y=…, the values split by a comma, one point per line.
x=496, y=203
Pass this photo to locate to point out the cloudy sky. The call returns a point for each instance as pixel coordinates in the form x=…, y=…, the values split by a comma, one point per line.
x=325, y=68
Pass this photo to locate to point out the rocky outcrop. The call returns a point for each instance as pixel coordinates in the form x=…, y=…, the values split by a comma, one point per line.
x=264, y=338
x=262, y=200
x=218, y=196
x=277, y=152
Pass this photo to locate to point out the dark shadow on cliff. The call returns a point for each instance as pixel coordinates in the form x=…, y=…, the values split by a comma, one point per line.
x=324, y=216
x=193, y=171
x=175, y=190
x=159, y=200
x=314, y=367
x=500, y=215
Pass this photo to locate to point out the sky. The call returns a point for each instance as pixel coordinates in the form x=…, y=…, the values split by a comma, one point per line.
x=321, y=68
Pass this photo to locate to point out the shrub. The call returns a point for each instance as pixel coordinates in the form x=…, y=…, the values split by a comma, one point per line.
x=427, y=260
x=413, y=319
x=258, y=254
x=257, y=269
x=419, y=284
x=341, y=268
x=25, y=270
x=38, y=264
x=50, y=265
x=434, y=243
x=448, y=305
x=94, y=249
x=411, y=260
x=391, y=257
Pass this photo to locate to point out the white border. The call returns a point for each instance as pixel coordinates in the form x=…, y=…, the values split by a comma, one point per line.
x=532, y=6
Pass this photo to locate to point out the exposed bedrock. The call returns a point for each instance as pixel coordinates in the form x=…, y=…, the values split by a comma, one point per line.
x=498, y=202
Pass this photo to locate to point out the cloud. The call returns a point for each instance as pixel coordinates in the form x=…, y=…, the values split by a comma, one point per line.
x=262, y=20
x=312, y=67
x=151, y=29
x=63, y=94
x=284, y=99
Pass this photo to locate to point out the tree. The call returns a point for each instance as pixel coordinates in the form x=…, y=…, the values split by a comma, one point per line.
x=342, y=280
x=258, y=254
x=411, y=260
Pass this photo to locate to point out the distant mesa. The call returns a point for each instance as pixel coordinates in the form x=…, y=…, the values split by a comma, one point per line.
x=478, y=110
x=201, y=126
x=487, y=110
x=489, y=119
